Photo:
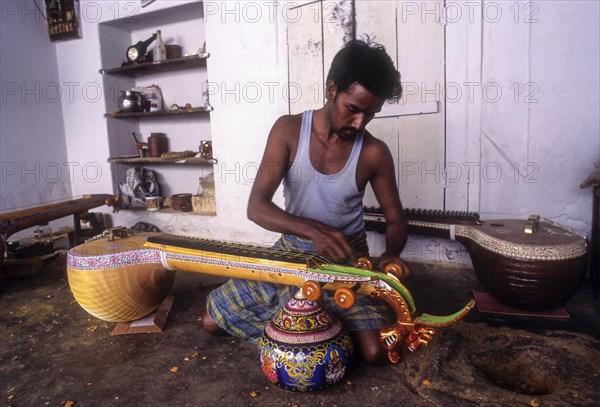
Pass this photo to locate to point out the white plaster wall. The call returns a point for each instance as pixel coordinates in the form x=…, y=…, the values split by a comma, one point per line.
x=247, y=71
x=556, y=139
x=565, y=124
x=248, y=68
x=79, y=63
x=33, y=153
x=534, y=119
x=541, y=137
x=522, y=112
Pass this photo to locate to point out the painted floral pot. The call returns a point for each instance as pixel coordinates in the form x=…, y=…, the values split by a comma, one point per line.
x=305, y=348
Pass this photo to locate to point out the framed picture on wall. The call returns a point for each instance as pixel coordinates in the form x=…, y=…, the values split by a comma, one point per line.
x=63, y=19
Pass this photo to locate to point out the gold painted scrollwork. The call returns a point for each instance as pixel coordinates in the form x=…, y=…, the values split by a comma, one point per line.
x=409, y=333
x=402, y=334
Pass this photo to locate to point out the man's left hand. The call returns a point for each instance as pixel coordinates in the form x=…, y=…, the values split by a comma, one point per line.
x=384, y=261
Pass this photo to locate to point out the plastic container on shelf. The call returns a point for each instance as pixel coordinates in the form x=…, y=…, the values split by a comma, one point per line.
x=153, y=96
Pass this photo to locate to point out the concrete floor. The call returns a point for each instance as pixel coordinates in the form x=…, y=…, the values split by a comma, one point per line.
x=53, y=353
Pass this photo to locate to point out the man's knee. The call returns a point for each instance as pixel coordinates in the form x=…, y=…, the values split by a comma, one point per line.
x=370, y=349
x=374, y=356
x=210, y=326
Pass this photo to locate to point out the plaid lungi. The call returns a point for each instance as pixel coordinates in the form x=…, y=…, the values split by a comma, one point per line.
x=244, y=307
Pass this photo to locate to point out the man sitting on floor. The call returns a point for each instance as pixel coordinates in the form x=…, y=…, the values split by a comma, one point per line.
x=325, y=158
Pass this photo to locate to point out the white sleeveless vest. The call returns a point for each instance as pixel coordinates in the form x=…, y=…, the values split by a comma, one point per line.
x=332, y=199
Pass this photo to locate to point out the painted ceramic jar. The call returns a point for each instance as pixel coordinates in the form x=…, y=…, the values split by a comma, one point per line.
x=304, y=347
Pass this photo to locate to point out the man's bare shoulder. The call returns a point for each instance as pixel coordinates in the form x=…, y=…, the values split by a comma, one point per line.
x=373, y=144
x=286, y=131
x=288, y=122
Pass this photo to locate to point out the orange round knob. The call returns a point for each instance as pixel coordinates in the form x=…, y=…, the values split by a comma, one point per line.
x=345, y=297
x=395, y=269
x=311, y=290
x=364, y=263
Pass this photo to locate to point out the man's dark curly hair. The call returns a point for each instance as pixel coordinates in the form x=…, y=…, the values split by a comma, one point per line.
x=366, y=63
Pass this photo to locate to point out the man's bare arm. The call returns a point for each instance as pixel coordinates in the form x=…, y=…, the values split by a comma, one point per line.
x=328, y=241
x=385, y=187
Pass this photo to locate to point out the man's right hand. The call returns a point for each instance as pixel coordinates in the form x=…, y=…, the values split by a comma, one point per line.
x=332, y=244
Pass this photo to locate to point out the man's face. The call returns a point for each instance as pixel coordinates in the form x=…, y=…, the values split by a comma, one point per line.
x=352, y=110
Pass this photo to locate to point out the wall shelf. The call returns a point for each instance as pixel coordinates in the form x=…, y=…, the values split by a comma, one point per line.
x=180, y=80
x=169, y=65
x=161, y=113
x=170, y=211
x=157, y=160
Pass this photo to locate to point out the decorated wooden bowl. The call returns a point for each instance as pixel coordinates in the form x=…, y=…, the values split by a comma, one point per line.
x=304, y=347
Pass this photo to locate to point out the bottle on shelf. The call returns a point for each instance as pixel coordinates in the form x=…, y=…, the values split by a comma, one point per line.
x=160, y=51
